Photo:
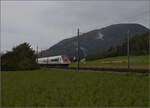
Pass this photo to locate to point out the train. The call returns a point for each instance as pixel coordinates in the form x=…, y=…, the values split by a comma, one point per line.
x=60, y=60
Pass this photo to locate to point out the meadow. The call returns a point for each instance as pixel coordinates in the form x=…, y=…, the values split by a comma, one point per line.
x=136, y=62
x=70, y=88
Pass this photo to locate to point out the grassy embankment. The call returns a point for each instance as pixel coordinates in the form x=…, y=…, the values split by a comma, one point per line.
x=56, y=87
x=136, y=62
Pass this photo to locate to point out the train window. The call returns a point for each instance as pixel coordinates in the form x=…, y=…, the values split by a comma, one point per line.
x=55, y=60
x=44, y=60
x=65, y=58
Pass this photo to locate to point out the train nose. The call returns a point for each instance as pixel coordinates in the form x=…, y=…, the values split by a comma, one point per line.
x=65, y=59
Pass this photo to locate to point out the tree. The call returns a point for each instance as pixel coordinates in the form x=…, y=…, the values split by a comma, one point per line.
x=21, y=57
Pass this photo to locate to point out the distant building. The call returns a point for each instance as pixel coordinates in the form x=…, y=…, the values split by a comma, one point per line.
x=83, y=60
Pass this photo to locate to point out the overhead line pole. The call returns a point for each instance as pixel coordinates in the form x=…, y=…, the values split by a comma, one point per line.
x=37, y=53
x=78, y=50
x=41, y=52
x=128, y=52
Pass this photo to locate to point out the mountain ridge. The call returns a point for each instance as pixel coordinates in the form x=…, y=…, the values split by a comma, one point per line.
x=94, y=41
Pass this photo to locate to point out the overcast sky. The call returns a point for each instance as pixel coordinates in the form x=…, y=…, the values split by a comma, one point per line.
x=46, y=23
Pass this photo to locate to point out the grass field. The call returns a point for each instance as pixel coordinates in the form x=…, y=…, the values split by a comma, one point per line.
x=57, y=88
x=136, y=62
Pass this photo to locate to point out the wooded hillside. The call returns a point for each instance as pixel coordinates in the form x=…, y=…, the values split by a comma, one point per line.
x=139, y=45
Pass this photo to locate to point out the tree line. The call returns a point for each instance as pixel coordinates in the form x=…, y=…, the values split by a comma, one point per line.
x=139, y=45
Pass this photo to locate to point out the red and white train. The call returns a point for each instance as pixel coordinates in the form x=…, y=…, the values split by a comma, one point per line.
x=54, y=61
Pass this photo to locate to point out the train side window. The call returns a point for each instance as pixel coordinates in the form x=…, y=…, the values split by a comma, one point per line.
x=44, y=60
x=55, y=60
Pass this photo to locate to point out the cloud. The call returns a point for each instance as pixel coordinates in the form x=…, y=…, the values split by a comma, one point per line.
x=46, y=23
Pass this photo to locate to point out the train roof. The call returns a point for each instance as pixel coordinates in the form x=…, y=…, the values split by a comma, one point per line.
x=51, y=57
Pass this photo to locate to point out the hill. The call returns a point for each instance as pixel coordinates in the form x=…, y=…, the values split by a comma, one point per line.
x=139, y=45
x=95, y=41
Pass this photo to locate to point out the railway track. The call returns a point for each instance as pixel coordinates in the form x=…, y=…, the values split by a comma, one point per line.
x=106, y=69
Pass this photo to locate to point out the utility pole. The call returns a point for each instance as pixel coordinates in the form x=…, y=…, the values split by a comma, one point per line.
x=78, y=50
x=47, y=61
x=37, y=53
x=128, y=50
x=41, y=52
x=74, y=47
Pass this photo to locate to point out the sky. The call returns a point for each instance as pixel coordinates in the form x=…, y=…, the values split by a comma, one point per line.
x=45, y=23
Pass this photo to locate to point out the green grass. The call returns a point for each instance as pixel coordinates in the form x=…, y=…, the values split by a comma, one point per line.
x=57, y=88
x=136, y=62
